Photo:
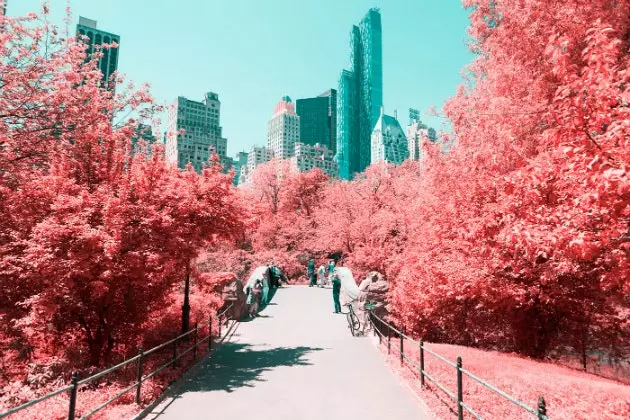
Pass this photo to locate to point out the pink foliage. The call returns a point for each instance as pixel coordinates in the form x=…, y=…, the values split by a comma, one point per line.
x=94, y=239
x=282, y=204
x=519, y=238
x=513, y=234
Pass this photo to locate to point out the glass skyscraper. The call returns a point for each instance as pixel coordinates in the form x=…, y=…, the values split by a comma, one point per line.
x=347, y=156
x=360, y=96
x=318, y=119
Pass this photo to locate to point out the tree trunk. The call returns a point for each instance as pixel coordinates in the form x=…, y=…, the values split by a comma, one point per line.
x=97, y=343
x=584, y=346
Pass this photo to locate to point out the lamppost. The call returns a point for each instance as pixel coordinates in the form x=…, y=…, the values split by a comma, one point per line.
x=186, y=305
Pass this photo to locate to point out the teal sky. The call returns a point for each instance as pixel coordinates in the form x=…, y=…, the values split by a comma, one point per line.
x=252, y=52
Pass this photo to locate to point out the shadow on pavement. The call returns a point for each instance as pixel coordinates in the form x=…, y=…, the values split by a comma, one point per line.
x=260, y=315
x=237, y=365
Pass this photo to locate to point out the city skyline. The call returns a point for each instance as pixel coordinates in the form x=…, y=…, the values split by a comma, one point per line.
x=298, y=50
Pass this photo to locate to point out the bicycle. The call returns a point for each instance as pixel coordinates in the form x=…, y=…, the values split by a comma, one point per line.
x=353, y=320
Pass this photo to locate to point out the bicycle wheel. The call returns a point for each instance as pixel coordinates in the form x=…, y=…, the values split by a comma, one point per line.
x=357, y=323
x=353, y=320
x=350, y=322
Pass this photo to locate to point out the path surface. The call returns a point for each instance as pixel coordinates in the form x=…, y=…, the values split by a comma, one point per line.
x=298, y=361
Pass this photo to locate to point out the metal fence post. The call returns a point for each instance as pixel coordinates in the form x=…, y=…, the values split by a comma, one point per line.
x=74, y=381
x=195, y=343
x=210, y=335
x=421, y=363
x=460, y=391
x=174, y=352
x=139, y=376
x=389, y=333
x=402, y=350
x=542, y=409
x=219, y=335
x=380, y=329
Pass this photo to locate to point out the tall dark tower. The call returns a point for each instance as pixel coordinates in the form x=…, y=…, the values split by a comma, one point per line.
x=360, y=96
x=331, y=95
x=108, y=63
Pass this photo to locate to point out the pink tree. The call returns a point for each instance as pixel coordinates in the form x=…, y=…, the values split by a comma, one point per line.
x=535, y=197
x=92, y=238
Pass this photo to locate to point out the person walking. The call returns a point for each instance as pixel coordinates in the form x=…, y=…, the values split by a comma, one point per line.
x=264, y=298
x=255, y=292
x=280, y=277
x=249, y=302
x=276, y=277
x=274, y=280
x=310, y=269
x=321, y=276
x=336, y=290
x=331, y=268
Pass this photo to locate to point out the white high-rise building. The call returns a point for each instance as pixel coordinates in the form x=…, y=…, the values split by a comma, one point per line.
x=283, y=130
x=417, y=133
x=256, y=156
x=389, y=142
x=202, y=132
x=309, y=157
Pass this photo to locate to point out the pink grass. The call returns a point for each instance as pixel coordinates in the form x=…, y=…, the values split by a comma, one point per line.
x=569, y=394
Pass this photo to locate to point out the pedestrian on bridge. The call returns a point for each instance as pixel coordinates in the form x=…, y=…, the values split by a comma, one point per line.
x=276, y=277
x=257, y=293
x=249, y=301
x=253, y=296
x=321, y=276
x=331, y=268
x=336, y=290
x=310, y=270
x=264, y=298
x=273, y=280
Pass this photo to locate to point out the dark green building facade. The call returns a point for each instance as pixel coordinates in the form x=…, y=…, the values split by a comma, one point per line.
x=318, y=119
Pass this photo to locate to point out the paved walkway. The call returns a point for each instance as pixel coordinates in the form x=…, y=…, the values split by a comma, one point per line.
x=298, y=361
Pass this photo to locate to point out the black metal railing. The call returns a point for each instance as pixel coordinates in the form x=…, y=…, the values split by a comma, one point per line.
x=393, y=333
x=141, y=377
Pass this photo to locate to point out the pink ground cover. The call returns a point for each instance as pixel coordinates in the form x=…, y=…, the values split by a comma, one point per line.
x=569, y=394
x=89, y=397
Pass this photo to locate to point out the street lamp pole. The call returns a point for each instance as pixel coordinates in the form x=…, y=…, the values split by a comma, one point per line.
x=186, y=305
